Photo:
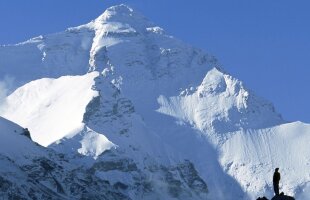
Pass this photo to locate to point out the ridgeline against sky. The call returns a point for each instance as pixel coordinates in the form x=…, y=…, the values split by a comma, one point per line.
x=123, y=106
x=265, y=43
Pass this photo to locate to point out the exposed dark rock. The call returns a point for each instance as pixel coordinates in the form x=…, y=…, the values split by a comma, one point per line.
x=278, y=197
x=174, y=185
x=124, y=165
x=283, y=197
x=57, y=179
x=4, y=184
x=191, y=177
x=91, y=108
x=261, y=198
x=26, y=133
x=120, y=185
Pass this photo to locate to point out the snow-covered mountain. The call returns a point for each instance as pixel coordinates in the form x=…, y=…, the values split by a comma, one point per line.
x=123, y=105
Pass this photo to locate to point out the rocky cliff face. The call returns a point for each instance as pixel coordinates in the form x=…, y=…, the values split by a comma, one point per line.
x=41, y=173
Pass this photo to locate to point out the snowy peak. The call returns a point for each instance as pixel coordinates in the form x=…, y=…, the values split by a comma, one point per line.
x=146, y=106
x=152, y=70
x=116, y=26
x=123, y=14
x=221, y=104
x=236, y=106
x=214, y=82
x=116, y=12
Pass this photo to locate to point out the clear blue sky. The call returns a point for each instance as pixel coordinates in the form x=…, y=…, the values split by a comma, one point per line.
x=264, y=43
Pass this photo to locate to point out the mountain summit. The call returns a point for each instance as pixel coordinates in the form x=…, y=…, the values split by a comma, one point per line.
x=145, y=116
x=123, y=14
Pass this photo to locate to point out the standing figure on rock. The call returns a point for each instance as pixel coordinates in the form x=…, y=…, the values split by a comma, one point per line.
x=276, y=180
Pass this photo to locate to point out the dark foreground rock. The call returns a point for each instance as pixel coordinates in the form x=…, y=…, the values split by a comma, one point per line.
x=280, y=197
x=283, y=197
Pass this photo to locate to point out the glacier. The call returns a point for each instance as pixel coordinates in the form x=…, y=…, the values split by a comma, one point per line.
x=118, y=103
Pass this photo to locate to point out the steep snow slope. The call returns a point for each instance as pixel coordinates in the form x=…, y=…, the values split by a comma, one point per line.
x=167, y=111
x=86, y=142
x=49, y=56
x=51, y=108
x=11, y=133
x=283, y=146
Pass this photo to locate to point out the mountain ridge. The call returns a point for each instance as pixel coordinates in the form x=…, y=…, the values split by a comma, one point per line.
x=166, y=112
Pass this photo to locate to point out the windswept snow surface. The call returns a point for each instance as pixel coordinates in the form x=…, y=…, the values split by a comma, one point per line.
x=252, y=155
x=51, y=108
x=87, y=142
x=120, y=83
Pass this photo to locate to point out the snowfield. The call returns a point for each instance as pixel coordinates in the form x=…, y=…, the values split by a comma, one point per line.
x=51, y=108
x=283, y=146
x=148, y=113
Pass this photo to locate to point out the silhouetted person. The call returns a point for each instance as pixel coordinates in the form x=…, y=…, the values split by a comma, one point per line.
x=276, y=180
